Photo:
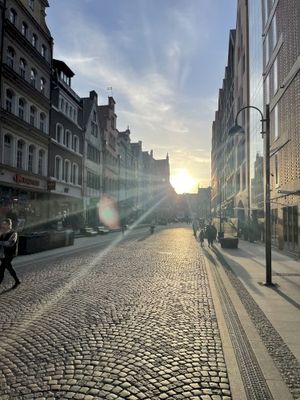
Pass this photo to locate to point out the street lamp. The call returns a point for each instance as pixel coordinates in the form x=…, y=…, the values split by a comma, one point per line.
x=237, y=129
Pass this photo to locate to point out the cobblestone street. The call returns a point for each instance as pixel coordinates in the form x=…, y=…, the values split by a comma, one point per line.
x=134, y=322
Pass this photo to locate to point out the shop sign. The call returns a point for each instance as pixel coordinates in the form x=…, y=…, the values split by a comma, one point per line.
x=26, y=181
x=51, y=185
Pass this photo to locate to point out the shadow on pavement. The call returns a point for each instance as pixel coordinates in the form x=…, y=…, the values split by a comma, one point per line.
x=286, y=297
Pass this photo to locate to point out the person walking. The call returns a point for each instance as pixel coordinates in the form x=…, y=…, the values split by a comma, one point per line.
x=8, y=250
x=201, y=237
x=195, y=226
x=211, y=233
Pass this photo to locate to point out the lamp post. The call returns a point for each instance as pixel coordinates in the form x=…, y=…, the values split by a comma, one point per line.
x=265, y=121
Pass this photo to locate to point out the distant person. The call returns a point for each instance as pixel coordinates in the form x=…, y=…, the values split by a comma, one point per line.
x=211, y=234
x=201, y=237
x=195, y=226
x=8, y=250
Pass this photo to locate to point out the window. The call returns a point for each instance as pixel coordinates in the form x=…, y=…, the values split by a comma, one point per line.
x=10, y=56
x=33, y=75
x=62, y=104
x=24, y=29
x=68, y=139
x=42, y=122
x=67, y=171
x=43, y=85
x=275, y=121
x=66, y=108
x=31, y=151
x=34, y=40
x=70, y=112
x=266, y=45
x=21, y=110
x=58, y=168
x=275, y=76
x=8, y=148
x=13, y=16
x=75, y=174
x=276, y=170
x=9, y=100
x=32, y=118
x=22, y=68
x=31, y=4
x=41, y=162
x=20, y=154
x=267, y=89
x=75, y=143
x=274, y=31
x=59, y=133
x=44, y=51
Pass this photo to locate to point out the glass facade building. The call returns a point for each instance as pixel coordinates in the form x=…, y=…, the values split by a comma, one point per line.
x=256, y=98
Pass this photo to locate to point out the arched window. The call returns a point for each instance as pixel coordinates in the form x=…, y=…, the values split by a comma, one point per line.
x=75, y=174
x=59, y=133
x=32, y=116
x=41, y=162
x=58, y=168
x=10, y=57
x=24, y=29
x=42, y=122
x=44, y=51
x=21, y=110
x=43, y=85
x=22, y=68
x=9, y=104
x=33, y=75
x=75, y=143
x=8, y=149
x=31, y=156
x=13, y=16
x=20, y=154
x=34, y=40
x=68, y=139
x=67, y=171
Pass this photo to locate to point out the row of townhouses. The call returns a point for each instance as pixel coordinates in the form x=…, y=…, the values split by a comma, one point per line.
x=60, y=153
x=263, y=68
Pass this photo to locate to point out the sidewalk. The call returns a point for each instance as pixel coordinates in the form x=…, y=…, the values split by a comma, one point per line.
x=280, y=304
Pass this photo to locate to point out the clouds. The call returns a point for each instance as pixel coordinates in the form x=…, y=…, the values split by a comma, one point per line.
x=150, y=60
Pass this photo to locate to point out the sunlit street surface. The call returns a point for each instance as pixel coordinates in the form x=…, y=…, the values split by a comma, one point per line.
x=138, y=323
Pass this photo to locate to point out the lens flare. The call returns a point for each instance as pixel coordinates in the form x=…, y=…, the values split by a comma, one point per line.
x=108, y=213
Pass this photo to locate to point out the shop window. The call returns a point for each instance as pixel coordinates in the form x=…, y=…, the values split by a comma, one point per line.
x=20, y=154
x=58, y=168
x=8, y=149
x=41, y=162
x=21, y=110
x=42, y=122
x=22, y=68
x=13, y=16
x=32, y=116
x=10, y=57
x=31, y=153
x=24, y=29
x=9, y=105
x=33, y=75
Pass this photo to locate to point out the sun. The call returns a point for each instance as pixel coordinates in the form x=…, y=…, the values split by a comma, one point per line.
x=183, y=182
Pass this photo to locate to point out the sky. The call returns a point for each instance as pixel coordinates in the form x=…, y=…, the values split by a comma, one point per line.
x=164, y=60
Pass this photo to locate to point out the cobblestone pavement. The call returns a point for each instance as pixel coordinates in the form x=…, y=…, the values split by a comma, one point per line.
x=137, y=322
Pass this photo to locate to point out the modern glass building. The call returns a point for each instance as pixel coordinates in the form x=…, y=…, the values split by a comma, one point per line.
x=256, y=98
